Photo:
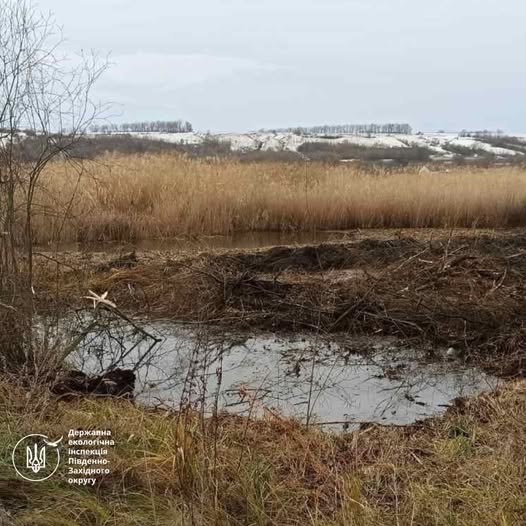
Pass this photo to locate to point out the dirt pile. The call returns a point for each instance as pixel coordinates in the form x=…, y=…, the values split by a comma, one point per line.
x=326, y=256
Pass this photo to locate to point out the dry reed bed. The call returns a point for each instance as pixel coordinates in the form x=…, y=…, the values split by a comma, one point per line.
x=140, y=197
x=465, y=468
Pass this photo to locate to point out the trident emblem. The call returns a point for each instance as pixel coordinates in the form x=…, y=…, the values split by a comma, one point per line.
x=35, y=459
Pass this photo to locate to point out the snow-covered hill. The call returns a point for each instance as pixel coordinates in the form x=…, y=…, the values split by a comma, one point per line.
x=442, y=145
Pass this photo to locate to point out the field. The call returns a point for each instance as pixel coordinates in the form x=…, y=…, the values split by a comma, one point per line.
x=127, y=198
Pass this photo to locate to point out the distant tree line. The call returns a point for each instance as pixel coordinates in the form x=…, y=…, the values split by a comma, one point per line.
x=353, y=129
x=178, y=126
x=481, y=133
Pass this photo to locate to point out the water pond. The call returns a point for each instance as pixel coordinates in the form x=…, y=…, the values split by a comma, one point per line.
x=336, y=382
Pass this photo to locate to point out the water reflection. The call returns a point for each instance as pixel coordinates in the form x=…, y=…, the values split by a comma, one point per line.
x=322, y=380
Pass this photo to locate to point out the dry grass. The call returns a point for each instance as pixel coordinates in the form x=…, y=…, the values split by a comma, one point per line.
x=139, y=197
x=465, y=469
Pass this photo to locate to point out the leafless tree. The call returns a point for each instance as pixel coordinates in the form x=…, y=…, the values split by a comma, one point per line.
x=354, y=129
x=48, y=94
x=45, y=92
x=177, y=126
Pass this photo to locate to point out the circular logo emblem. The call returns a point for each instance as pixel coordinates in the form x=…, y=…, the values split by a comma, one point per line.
x=36, y=457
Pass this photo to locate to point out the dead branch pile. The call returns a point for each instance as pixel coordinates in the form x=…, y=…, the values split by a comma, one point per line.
x=468, y=292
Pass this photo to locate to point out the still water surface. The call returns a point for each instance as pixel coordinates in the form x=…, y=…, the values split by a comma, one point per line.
x=336, y=382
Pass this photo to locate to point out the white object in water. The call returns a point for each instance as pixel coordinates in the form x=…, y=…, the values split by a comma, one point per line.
x=451, y=352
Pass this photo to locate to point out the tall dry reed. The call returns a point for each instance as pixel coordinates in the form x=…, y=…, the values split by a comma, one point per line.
x=139, y=197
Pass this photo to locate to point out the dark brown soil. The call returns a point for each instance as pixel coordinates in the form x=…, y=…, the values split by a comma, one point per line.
x=326, y=256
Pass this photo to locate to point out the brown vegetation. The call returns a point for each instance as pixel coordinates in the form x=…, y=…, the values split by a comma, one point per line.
x=465, y=468
x=149, y=196
x=346, y=150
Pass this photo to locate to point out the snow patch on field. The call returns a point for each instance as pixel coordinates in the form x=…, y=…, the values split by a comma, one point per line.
x=476, y=144
x=380, y=141
x=282, y=141
x=174, y=138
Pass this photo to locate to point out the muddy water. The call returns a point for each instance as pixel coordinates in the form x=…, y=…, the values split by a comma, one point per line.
x=248, y=240
x=337, y=383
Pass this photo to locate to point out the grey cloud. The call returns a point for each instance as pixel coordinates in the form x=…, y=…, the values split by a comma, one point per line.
x=240, y=64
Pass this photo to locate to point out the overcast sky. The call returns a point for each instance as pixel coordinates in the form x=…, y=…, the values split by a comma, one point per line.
x=236, y=65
